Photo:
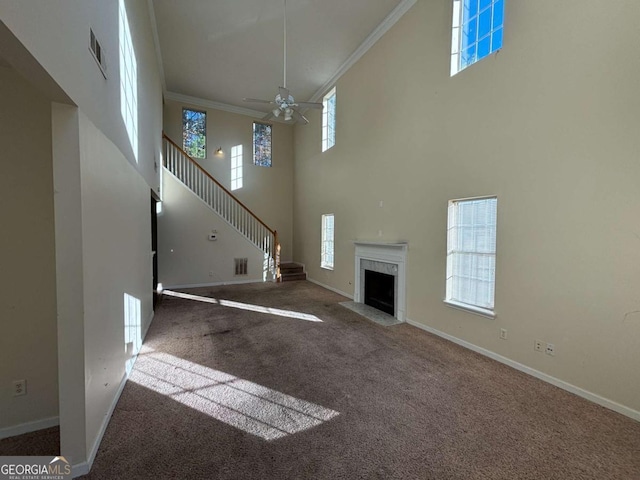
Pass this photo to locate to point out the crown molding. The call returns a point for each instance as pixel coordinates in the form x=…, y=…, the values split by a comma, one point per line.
x=202, y=102
x=389, y=21
x=156, y=43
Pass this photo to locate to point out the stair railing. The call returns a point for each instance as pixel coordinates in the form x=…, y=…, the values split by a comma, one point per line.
x=223, y=202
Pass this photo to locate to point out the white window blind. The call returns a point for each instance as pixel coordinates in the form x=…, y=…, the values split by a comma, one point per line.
x=326, y=256
x=329, y=120
x=471, y=252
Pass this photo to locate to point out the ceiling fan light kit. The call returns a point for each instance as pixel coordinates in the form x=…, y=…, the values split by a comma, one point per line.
x=284, y=101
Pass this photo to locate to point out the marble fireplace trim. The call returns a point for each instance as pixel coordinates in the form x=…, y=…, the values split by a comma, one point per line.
x=389, y=258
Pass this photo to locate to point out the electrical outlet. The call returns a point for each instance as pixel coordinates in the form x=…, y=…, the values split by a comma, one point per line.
x=19, y=388
x=538, y=346
x=503, y=333
x=551, y=349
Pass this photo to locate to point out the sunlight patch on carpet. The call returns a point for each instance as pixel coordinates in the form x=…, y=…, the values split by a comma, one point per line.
x=245, y=306
x=245, y=405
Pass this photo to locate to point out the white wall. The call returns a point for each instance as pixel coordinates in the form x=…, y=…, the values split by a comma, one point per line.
x=268, y=192
x=57, y=35
x=27, y=256
x=186, y=256
x=549, y=125
x=102, y=204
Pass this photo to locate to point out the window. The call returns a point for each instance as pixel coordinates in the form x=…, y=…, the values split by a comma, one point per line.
x=261, y=144
x=326, y=256
x=194, y=133
x=128, y=80
x=236, y=167
x=471, y=254
x=477, y=31
x=329, y=120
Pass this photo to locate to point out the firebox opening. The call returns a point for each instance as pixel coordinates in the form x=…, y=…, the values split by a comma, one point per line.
x=379, y=291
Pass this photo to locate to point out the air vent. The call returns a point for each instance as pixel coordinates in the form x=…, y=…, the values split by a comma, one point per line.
x=241, y=266
x=96, y=50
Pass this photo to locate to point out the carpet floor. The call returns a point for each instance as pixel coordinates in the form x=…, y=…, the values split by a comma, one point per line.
x=279, y=381
x=41, y=443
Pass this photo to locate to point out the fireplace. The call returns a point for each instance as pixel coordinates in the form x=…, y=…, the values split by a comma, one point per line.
x=380, y=276
x=379, y=291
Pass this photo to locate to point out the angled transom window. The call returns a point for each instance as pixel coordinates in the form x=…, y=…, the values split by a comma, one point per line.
x=477, y=31
x=329, y=120
x=471, y=254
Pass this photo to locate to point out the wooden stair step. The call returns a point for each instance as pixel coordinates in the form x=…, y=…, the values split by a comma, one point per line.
x=290, y=277
x=292, y=271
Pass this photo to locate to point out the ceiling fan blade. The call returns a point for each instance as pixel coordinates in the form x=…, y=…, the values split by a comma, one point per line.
x=268, y=116
x=310, y=105
x=256, y=100
x=299, y=117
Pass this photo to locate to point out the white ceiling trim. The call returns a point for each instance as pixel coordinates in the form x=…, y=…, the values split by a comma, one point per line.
x=156, y=43
x=373, y=37
x=201, y=102
x=389, y=21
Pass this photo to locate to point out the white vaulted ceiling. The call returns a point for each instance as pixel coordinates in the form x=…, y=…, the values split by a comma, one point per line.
x=224, y=50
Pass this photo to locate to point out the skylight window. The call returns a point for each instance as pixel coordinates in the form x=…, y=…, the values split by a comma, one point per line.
x=329, y=120
x=477, y=31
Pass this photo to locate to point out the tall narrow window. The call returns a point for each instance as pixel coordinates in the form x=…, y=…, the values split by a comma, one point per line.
x=261, y=144
x=326, y=256
x=329, y=120
x=471, y=254
x=236, y=167
x=194, y=133
x=128, y=80
x=477, y=31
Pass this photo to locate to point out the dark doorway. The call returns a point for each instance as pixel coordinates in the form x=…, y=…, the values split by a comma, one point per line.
x=379, y=291
x=154, y=247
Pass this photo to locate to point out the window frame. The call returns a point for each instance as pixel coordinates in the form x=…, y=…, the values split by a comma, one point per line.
x=483, y=310
x=237, y=172
x=325, y=242
x=329, y=120
x=204, y=135
x=253, y=142
x=495, y=32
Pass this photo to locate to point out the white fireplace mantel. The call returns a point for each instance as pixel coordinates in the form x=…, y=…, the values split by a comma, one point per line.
x=391, y=253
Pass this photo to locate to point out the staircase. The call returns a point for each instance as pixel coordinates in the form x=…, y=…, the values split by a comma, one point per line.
x=224, y=203
x=292, y=271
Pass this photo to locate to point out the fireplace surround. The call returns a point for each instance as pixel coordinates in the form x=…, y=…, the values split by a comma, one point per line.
x=384, y=258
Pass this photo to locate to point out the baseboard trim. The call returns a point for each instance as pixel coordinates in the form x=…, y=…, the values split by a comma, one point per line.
x=214, y=284
x=595, y=398
x=29, y=427
x=83, y=468
x=334, y=290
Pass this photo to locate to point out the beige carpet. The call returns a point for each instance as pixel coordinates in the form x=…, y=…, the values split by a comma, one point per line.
x=278, y=381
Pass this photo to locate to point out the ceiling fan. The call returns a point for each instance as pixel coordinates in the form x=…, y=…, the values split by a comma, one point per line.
x=284, y=102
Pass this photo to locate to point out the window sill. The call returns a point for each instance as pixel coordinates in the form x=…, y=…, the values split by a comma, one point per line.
x=326, y=267
x=471, y=309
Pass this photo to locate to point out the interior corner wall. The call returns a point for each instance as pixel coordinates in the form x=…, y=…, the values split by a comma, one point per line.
x=266, y=191
x=550, y=125
x=117, y=265
x=186, y=257
x=27, y=285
